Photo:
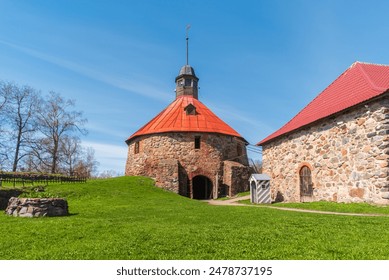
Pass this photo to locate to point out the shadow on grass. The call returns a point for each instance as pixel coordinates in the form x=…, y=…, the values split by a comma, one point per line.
x=5, y=195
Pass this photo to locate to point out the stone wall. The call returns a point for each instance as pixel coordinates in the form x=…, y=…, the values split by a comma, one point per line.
x=172, y=160
x=37, y=207
x=347, y=154
x=236, y=176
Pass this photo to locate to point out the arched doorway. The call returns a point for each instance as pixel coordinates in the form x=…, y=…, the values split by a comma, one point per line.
x=306, y=186
x=202, y=187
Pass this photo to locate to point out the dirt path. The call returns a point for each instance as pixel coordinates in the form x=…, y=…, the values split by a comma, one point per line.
x=235, y=202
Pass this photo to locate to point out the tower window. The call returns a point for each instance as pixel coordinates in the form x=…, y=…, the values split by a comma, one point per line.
x=136, y=147
x=190, y=109
x=188, y=82
x=197, y=142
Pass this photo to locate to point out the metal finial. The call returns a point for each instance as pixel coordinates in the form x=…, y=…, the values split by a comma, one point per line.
x=187, y=44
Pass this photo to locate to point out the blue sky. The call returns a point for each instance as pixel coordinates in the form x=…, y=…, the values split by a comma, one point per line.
x=259, y=62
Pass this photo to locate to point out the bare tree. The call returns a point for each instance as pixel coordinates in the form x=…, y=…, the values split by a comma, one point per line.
x=5, y=90
x=41, y=134
x=256, y=166
x=4, y=95
x=21, y=112
x=56, y=120
x=70, y=154
x=109, y=174
x=87, y=167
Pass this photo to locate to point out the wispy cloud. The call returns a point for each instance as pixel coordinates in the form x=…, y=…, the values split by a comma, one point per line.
x=110, y=157
x=108, y=150
x=136, y=87
x=233, y=113
x=107, y=130
x=252, y=129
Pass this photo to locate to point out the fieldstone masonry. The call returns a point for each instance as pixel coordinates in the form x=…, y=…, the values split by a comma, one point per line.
x=235, y=176
x=37, y=207
x=172, y=160
x=347, y=154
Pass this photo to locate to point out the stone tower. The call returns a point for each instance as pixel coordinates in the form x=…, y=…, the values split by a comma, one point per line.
x=187, y=149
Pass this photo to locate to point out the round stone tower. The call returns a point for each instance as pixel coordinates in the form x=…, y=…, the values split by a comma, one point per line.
x=187, y=149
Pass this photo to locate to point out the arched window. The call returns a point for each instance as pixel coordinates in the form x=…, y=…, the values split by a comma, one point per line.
x=306, y=186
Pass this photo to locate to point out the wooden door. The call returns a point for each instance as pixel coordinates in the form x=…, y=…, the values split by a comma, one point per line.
x=306, y=186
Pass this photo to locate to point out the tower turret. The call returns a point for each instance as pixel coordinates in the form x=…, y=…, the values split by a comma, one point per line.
x=187, y=82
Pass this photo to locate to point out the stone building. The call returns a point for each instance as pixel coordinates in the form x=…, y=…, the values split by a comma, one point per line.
x=187, y=149
x=337, y=147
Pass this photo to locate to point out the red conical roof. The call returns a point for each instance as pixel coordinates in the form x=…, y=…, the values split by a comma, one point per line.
x=176, y=118
x=359, y=83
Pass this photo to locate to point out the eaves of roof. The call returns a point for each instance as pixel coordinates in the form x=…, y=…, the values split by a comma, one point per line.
x=174, y=118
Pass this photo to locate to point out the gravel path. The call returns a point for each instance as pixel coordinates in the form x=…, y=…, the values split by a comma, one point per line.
x=235, y=202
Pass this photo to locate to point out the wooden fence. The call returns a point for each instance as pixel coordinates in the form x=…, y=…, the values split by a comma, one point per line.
x=35, y=178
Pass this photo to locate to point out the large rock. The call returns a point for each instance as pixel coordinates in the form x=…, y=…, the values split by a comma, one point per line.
x=37, y=207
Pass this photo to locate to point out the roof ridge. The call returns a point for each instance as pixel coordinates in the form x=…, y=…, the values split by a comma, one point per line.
x=369, y=63
x=173, y=119
x=367, y=76
x=317, y=96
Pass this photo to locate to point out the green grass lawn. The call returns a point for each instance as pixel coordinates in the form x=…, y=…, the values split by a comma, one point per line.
x=361, y=208
x=128, y=218
x=338, y=207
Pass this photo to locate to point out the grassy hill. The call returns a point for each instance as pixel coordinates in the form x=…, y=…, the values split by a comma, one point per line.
x=129, y=218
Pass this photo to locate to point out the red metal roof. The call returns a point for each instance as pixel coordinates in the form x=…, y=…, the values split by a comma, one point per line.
x=359, y=83
x=175, y=119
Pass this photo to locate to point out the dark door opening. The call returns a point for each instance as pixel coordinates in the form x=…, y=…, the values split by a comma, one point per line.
x=202, y=187
x=253, y=186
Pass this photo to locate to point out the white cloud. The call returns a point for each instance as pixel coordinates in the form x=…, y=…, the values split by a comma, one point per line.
x=115, y=151
x=106, y=130
x=241, y=116
x=110, y=157
x=137, y=87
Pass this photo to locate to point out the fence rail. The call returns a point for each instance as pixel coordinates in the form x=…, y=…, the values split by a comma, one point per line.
x=34, y=178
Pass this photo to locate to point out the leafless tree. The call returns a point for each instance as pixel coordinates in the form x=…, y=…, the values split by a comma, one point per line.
x=5, y=90
x=70, y=154
x=87, y=166
x=256, y=166
x=56, y=119
x=109, y=174
x=42, y=135
x=20, y=113
x=4, y=95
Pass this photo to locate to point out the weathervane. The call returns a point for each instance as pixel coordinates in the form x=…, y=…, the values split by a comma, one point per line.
x=187, y=44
